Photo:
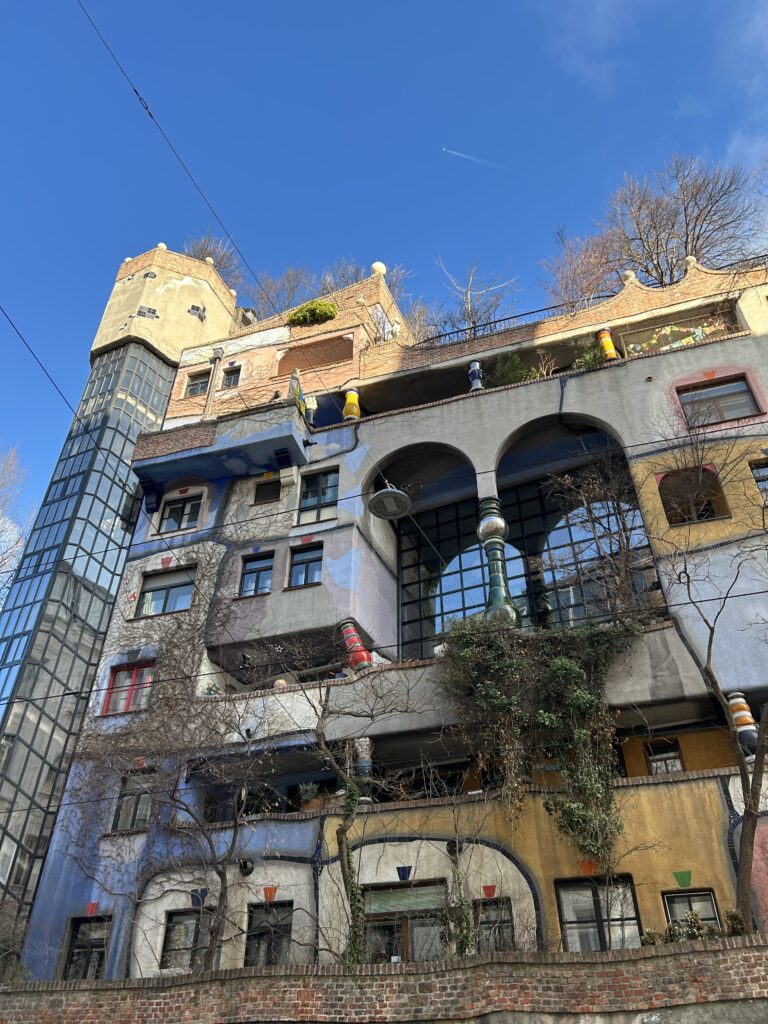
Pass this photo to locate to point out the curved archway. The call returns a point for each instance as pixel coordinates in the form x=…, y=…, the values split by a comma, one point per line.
x=577, y=546
x=440, y=561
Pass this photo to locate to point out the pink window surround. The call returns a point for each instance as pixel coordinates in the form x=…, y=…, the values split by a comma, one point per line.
x=719, y=375
x=128, y=688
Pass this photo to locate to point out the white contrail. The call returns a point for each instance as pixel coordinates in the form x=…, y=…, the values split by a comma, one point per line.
x=477, y=160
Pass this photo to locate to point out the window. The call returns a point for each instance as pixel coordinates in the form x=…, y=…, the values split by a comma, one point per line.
x=717, y=402
x=166, y=592
x=495, y=926
x=257, y=575
x=268, y=939
x=134, y=804
x=663, y=757
x=319, y=493
x=692, y=496
x=306, y=566
x=150, y=273
x=760, y=473
x=267, y=491
x=185, y=940
x=87, y=949
x=231, y=377
x=678, y=904
x=148, y=312
x=180, y=513
x=198, y=311
x=595, y=916
x=405, y=923
x=129, y=688
x=197, y=383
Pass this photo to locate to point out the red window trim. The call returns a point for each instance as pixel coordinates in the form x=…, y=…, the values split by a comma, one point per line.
x=135, y=668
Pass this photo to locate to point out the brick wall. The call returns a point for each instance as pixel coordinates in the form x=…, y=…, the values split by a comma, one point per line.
x=685, y=974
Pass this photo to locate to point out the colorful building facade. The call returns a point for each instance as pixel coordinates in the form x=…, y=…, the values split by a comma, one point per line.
x=270, y=707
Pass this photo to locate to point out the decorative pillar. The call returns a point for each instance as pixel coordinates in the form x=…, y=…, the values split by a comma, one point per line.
x=364, y=767
x=476, y=376
x=357, y=655
x=605, y=339
x=311, y=410
x=295, y=391
x=492, y=531
x=351, y=410
x=746, y=726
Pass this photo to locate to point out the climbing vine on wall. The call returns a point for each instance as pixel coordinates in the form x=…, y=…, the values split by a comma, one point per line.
x=538, y=696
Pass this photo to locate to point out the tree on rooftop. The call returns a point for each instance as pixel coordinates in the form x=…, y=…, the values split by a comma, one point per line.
x=225, y=259
x=685, y=208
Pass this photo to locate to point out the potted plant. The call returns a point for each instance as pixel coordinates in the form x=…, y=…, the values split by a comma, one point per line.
x=310, y=796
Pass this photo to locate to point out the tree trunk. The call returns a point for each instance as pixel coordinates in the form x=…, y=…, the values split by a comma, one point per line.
x=355, y=951
x=744, y=873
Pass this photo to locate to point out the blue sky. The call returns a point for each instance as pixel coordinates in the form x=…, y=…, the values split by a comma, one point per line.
x=319, y=131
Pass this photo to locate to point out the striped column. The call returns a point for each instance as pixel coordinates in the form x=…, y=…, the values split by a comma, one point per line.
x=357, y=655
x=746, y=726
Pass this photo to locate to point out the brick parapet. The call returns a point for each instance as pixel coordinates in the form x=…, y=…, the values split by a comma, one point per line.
x=683, y=974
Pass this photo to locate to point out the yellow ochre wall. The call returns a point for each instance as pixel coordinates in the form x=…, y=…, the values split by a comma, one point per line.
x=700, y=749
x=680, y=825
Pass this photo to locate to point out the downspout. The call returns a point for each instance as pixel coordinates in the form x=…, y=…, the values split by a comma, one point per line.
x=218, y=354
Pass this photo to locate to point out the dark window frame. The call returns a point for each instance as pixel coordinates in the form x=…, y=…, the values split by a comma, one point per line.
x=267, y=485
x=134, y=687
x=687, y=894
x=230, y=378
x=150, y=312
x=88, y=947
x=202, y=917
x=404, y=918
x=197, y=384
x=690, y=508
x=313, y=508
x=183, y=500
x=602, y=926
x=189, y=571
x=139, y=799
x=697, y=405
x=280, y=934
x=268, y=558
x=487, y=937
x=661, y=757
x=299, y=560
x=759, y=470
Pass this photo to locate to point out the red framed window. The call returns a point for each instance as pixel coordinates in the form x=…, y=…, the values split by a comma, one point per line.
x=129, y=688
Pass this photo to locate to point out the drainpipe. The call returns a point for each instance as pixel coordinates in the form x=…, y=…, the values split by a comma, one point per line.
x=218, y=354
x=492, y=531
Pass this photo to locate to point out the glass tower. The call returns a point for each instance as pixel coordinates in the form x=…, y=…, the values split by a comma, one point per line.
x=54, y=620
x=55, y=617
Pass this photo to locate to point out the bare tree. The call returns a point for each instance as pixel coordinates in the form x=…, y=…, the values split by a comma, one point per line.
x=224, y=257
x=12, y=520
x=478, y=299
x=685, y=208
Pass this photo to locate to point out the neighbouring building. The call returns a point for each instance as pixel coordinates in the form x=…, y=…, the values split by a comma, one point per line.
x=321, y=501
x=55, y=618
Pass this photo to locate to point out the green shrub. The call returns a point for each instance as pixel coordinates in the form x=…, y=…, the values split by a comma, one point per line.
x=592, y=359
x=315, y=312
x=510, y=369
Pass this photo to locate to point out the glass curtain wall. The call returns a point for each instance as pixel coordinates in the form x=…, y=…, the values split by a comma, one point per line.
x=556, y=558
x=54, y=620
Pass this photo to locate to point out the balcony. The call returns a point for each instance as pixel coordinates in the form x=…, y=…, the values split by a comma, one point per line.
x=266, y=439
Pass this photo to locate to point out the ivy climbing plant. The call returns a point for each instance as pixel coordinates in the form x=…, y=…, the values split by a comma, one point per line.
x=533, y=696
